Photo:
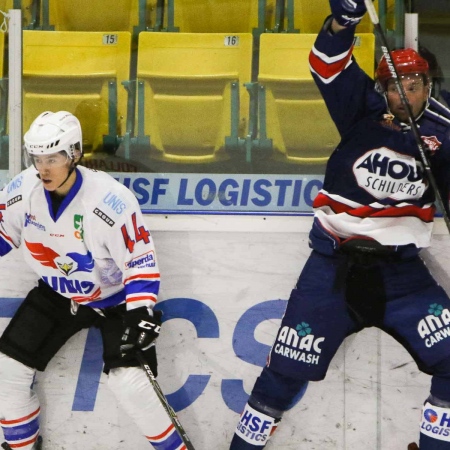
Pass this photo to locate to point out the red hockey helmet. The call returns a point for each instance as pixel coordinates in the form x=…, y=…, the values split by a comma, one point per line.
x=407, y=61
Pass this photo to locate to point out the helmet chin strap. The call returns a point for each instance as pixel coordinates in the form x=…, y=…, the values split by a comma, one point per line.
x=71, y=169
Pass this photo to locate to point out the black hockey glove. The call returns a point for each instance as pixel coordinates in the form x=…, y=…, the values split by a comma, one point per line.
x=348, y=12
x=140, y=329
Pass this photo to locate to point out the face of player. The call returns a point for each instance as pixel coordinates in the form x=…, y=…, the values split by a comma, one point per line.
x=53, y=171
x=416, y=92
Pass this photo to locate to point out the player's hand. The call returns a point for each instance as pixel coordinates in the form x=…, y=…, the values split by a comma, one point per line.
x=347, y=12
x=140, y=329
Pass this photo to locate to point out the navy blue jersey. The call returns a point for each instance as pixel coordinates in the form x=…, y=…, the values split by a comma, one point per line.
x=375, y=185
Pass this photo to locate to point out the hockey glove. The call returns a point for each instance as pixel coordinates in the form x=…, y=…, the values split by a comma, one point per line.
x=141, y=329
x=347, y=12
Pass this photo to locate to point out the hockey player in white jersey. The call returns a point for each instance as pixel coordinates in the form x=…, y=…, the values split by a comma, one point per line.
x=83, y=234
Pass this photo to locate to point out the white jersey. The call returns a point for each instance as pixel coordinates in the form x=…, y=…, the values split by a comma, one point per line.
x=96, y=251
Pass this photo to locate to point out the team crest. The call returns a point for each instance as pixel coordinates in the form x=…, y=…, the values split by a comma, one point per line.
x=432, y=142
x=65, y=268
x=67, y=265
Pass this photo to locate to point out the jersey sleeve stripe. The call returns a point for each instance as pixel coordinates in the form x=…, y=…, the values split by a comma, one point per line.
x=138, y=298
x=327, y=68
x=142, y=286
x=142, y=276
x=437, y=117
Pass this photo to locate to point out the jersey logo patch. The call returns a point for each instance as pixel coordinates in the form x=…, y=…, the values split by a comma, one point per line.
x=385, y=173
x=13, y=200
x=432, y=142
x=104, y=217
x=115, y=203
x=68, y=264
x=30, y=219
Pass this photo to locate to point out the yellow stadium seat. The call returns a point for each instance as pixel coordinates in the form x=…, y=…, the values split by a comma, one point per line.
x=309, y=15
x=6, y=5
x=190, y=95
x=98, y=15
x=3, y=95
x=80, y=72
x=297, y=121
x=28, y=7
x=214, y=16
x=2, y=53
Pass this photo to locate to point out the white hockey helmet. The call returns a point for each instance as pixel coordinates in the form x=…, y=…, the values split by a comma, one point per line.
x=54, y=132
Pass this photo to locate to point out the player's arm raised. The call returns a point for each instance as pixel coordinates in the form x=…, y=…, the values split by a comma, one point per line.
x=347, y=90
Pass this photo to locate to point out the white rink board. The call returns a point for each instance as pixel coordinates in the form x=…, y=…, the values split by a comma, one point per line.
x=370, y=399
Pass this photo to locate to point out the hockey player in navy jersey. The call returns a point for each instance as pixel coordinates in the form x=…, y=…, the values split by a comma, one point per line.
x=83, y=234
x=372, y=217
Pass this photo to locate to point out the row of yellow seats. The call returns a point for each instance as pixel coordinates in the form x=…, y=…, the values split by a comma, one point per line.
x=240, y=16
x=209, y=16
x=188, y=16
x=190, y=89
x=83, y=15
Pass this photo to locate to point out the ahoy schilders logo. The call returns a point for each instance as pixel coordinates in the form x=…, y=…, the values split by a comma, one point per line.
x=384, y=173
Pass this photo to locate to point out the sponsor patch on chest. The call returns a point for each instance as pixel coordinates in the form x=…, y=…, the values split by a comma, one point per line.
x=385, y=173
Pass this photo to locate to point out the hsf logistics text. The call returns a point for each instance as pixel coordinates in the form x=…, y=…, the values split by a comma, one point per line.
x=222, y=192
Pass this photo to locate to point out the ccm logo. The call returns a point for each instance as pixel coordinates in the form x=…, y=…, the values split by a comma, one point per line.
x=149, y=326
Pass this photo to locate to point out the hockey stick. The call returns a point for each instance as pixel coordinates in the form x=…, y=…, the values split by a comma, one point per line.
x=170, y=412
x=390, y=62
